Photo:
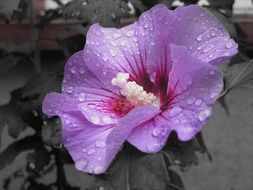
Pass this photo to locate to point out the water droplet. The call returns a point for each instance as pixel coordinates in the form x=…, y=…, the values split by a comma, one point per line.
x=80, y=164
x=199, y=38
x=116, y=35
x=175, y=111
x=156, y=132
x=99, y=158
x=106, y=119
x=198, y=102
x=199, y=48
x=212, y=72
x=81, y=97
x=100, y=144
x=204, y=114
x=188, y=79
x=190, y=100
x=208, y=48
x=84, y=150
x=81, y=70
x=113, y=43
x=213, y=33
x=95, y=119
x=113, y=52
x=190, y=48
x=70, y=89
x=91, y=151
x=229, y=45
x=130, y=33
x=213, y=95
x=123, y=43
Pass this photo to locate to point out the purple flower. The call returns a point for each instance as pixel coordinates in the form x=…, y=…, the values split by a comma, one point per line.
x=139, y=83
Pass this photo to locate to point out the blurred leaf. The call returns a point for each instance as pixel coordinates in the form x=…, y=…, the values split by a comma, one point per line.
x=51, y=132
x=72, y=44
x=49, y=16
x=223, y=104
x=183, y=156
x=106, y=12
x=7, y=62
x=188, y=2
x=239, y=76
x=39, y=85
x=201, y=142
x=13, y=150
x=135, y=170
x=17, y=45
x=7, y=7
x=37, y=160
x=11, y=116
x=224, y=4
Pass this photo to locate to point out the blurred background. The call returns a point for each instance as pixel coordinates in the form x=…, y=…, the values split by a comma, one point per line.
x=36, y=38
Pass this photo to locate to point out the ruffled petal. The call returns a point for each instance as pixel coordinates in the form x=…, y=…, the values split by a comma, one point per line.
x=193, y=27
x=151, y=136
x=196, y=86
x=136, y=49
x=90, y=94
x=93, y=147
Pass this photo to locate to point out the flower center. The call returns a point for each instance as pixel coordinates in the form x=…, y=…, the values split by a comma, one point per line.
x=133, y=92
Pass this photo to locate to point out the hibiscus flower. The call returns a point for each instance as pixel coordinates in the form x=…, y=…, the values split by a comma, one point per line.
x=139, y=83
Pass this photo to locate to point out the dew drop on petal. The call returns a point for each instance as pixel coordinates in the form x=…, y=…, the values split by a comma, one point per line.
x=80, y=164
x=188, y=79
x=113, y=52
x=229, y=45
x=91, y=151
x=175, y=111
x=204, y=114
x=190, y=100
x=95, y=119
x=156, y=132
x=81, y=97
x=199, y=38
x=130, y=33
x=198, y=102
x=100, y=144
x=213, y=95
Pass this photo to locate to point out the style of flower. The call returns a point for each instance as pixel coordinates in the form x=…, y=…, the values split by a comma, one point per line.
x=139, y=83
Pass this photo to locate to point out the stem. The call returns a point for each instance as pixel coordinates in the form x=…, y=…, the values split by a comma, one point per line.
x=35, y=39
x=61, y=177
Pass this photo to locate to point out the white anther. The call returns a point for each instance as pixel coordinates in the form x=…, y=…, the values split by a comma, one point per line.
x=133, y=92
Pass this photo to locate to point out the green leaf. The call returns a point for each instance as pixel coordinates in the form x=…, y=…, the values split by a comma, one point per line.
x=7, y=7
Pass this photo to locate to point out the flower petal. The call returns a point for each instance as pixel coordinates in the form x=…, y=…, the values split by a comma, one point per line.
x=89, y=93
x=93, y=147
x=151, y=136
x=196, y=87
x=205, y=37
x=191, y=26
